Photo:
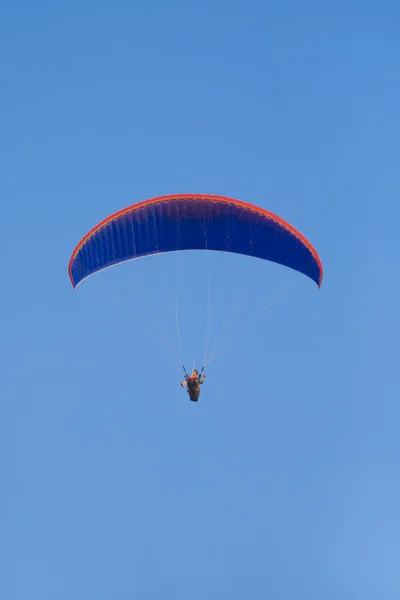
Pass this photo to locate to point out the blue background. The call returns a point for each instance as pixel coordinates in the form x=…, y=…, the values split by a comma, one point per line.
x=283, y=481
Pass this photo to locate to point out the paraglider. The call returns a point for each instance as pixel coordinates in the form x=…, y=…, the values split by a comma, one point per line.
x=185, y=222
x=193, y=222
x=193, y=383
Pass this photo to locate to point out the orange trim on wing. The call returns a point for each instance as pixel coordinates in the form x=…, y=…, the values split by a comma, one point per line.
x=200, y=197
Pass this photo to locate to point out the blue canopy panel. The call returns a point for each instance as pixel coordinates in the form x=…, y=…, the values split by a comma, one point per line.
x=193, y=222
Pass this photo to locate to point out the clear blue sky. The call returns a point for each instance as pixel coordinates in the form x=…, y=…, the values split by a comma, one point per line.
x=283, y=481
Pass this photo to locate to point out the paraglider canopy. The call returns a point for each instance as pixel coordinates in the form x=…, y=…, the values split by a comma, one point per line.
x=193, y=222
